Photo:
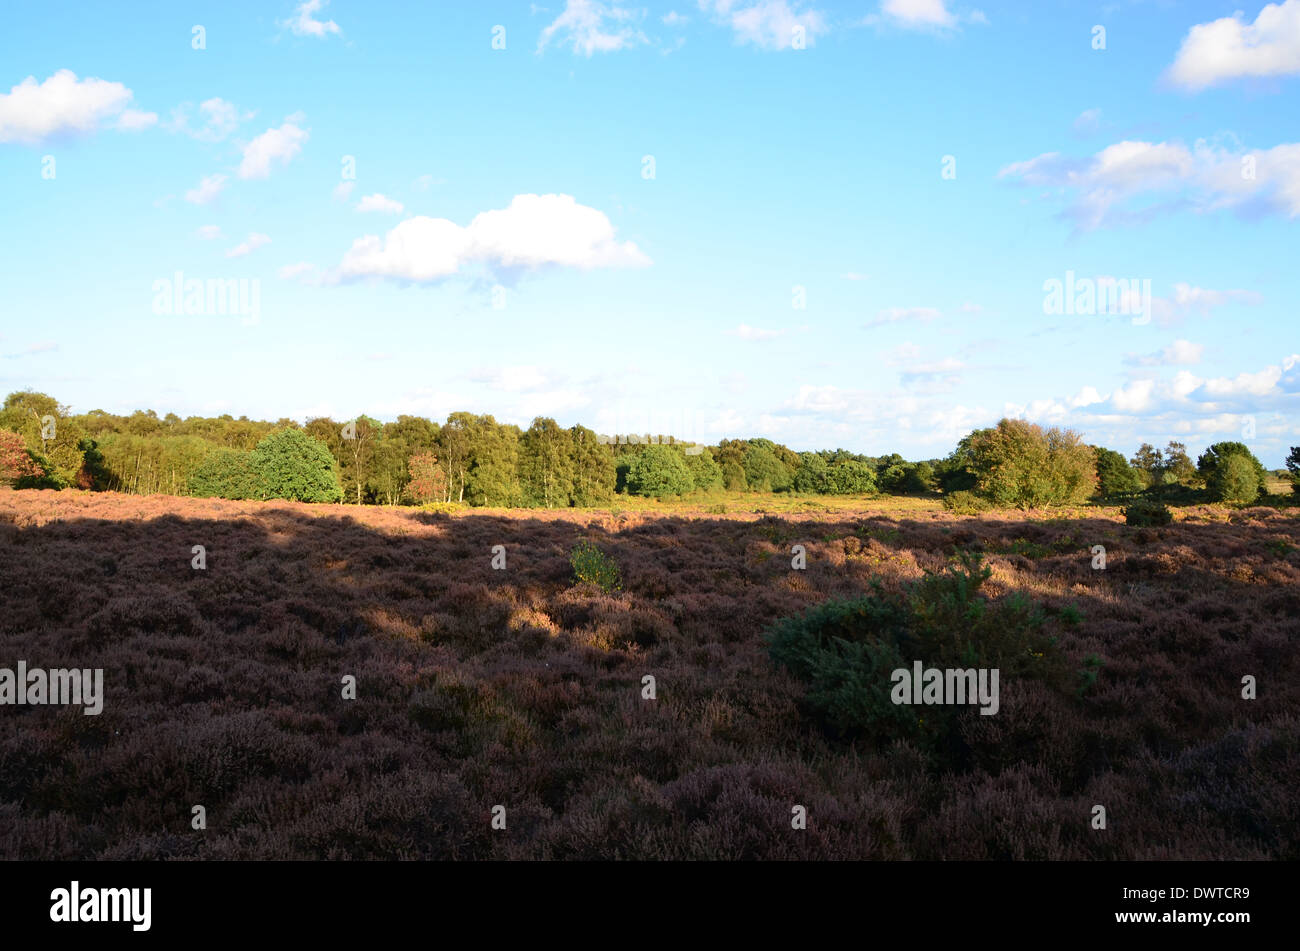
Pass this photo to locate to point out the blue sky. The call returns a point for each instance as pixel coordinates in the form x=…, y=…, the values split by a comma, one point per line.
x=834, y=225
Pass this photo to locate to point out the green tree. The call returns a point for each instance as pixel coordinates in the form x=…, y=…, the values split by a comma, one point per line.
x=1178, y=465
x=1150, y=463
x=546, y=468
x=706, y=474
x=226, y=474
x=594, y=477
x=764, y=470
x=1020, y=464
x=1293, y=466
x=811, y=476
x=851, y=477
x=659, y=471
x=1114, y=475
x=1231, y=484
x=292, y=465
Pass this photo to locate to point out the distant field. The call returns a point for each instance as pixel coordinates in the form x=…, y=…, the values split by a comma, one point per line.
x=479, y=687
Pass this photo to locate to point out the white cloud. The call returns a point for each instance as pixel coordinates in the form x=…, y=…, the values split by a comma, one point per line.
x=32, y=112
x=532, y=232
x=1088, y=122
x=254, y=241
x=380, y=203
x=515, y=379
x=918, y=12
x=1188, y=298
x=423, y=183
x=746, y=332
x=209, y=188
x=673, y=18
x=945, y=373
x=209, y=232
x=922, y=15
x=343, y=189
x=303, y=272
x=303, y=24
x=219, y=119
x=1231, y=48
x=133, y=120
x=767, y=24
x=273, y=145
x=589, y=26
x=894, y=314
x=1180, y=353
x=1170, y=176
x=855, y=276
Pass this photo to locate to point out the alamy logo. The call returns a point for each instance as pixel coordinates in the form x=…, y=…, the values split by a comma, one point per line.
x=1103, y=295
x=952, y=686
x=103, y=904
x=213, y=297
x=59, y=686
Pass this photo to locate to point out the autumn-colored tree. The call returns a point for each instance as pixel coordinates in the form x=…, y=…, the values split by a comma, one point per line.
x=15, y=461
x=428, y=480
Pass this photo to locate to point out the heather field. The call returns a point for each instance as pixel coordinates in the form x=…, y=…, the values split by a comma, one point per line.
x=479, y=686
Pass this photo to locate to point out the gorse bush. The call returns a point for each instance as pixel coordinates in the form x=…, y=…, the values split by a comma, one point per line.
x=593, y=566
x=963, y=502
x=1147, y=513
x=846, y=650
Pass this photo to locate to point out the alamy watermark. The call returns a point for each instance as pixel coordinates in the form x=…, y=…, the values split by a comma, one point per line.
x=60, y=686
x=952, y=686
x=193, y=297
x=1090, y=296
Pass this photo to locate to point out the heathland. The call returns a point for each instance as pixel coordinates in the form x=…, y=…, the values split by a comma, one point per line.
x=500, y=658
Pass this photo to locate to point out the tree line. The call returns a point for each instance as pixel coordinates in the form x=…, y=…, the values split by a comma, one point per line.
x=472, y=459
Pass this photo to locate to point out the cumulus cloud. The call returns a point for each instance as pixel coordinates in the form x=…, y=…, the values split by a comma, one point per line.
x=343, y=189
x=209, y=187
x=1232, y=48
x=589, y=26
x=534, y=231
x=1168, y=176
x=304, y=24
x=767, y=24
x=209, y=232
x=32, y=112
x=218, y=119
x=922, y=15
x=380, y=203
x=133, y=120
x=1179, y=353
x=271, y=147
x=254, y=241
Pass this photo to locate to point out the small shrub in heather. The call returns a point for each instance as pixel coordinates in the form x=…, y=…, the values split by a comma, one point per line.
x=845, y=651
x=1147, y=513
x=593, y=566
x=962, y=502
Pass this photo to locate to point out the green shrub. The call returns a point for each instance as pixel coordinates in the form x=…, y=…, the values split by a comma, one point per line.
x=1229, y=481
x=1147, y=513
x=1234, y=479
x=292, y=465
x=593, y=566
x=226, y=474
x=659, y=471
x=962, y=502
x=846, y=651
